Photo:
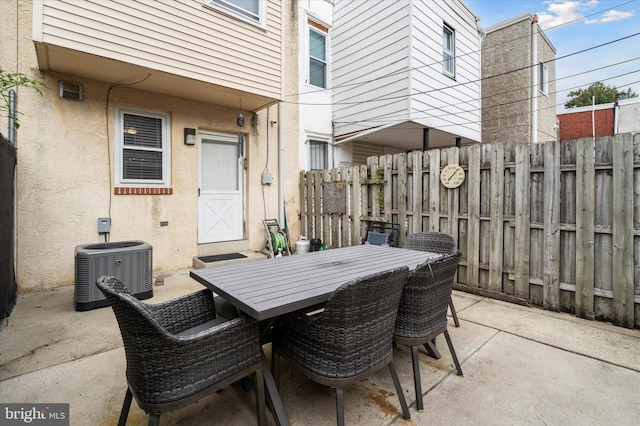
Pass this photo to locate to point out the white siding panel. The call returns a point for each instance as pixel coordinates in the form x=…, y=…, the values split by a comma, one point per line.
x=373, y=40
x=370, y=56
x=450, y=104
x=178, y=37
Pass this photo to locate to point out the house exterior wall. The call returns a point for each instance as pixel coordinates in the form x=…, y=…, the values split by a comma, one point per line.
x=579, y=123
x=387, y=66
x=438, y=100
x=183, y=38
x=508, y=76
x=629, y=116
x=370, y=59
x=546, y=103
x=66, y=157
x=314, y=102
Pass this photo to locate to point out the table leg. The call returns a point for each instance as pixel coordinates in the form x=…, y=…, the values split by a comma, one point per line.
x=273, y=395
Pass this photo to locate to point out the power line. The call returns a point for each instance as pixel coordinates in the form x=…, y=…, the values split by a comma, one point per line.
x=517, y=89
x=526, y=67
x=394, y=73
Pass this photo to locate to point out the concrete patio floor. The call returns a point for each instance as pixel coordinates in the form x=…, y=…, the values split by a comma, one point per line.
x=522, y=366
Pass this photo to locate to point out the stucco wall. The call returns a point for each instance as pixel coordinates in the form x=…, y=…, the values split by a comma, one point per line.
x=65, y=161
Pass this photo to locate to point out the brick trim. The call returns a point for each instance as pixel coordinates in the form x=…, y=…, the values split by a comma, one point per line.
x=143, y=191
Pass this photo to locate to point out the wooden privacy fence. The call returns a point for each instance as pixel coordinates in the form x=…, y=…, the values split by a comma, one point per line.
x=555, y=225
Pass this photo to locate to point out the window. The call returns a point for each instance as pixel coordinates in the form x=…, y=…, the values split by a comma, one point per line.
x=448, y=51
x=317, y=55
x=142, y=154
x=318, y=155
x=247, y=10
x=544, y=79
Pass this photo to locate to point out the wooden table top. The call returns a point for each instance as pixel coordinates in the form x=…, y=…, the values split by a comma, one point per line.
x=271, y=287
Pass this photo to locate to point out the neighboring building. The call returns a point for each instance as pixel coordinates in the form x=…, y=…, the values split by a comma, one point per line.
x=405, y=75
x=139, y=124
x=518, y=83
x=314, y=95
x=600, y=120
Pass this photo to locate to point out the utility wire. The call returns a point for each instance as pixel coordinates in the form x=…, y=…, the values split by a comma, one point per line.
x=438, y=63
x=402, y=117
x=502, y=74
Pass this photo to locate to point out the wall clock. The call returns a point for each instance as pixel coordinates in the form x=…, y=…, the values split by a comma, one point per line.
x=452, y=176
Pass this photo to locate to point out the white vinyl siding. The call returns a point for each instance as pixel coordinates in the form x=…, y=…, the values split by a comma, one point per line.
x=142, y=149
x=182, y=38
x=448, y=51
x=249, y=10
x=387, y=66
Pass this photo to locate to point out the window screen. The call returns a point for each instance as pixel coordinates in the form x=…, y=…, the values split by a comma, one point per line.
x=317, y=58
x=448, y=51
x=142, y=148
x=318, y=155
x=544, y=78
x=248, y=9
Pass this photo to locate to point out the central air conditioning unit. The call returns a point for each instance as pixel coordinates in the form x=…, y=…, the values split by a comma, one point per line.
x=130, y=261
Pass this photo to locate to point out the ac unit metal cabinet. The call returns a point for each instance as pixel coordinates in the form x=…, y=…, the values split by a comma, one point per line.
x=129, y=261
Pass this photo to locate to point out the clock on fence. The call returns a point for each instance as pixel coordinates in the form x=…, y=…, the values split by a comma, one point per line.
x=452, y=176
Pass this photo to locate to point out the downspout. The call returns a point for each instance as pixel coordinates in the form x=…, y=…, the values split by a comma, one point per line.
x=593, y=117
x=534, y=79
x=616, y=116
x=281, y=166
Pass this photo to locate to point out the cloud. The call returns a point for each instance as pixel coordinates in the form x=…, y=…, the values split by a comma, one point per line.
x=560, y=12
x=614, y=15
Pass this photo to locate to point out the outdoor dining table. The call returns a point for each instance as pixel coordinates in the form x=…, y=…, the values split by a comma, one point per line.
x=266, y=289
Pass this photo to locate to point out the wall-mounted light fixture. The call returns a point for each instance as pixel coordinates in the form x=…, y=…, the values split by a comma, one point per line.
x=189, y=136
x=240, y=120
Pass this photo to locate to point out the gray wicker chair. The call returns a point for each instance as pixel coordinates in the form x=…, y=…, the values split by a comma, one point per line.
x=177, y=352
x=436, y=242
x=351, y=339
x=422, y=314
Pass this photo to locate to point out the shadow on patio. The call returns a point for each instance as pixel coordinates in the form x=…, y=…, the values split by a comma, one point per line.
x=521, y=366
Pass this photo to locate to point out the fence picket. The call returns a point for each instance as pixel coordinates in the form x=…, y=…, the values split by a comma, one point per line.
x=532, y=221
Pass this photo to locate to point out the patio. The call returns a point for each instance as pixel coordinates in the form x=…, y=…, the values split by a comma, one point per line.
x=521, y=365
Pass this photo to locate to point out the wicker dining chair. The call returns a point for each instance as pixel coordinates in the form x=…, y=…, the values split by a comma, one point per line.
x=177, y=352
x=349, y=340
x=436, y=242
x=422, y=314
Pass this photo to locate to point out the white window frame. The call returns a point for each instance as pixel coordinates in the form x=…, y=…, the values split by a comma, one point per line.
x=118, y=170
x=228, y=7
x=449, y=55
x=313, y=141
x=543, y=77
x=325, y=34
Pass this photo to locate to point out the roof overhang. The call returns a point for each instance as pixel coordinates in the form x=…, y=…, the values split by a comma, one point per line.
x=407, y=135
x=62, y=60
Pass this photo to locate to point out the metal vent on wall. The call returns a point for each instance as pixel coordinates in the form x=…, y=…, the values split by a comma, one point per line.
x=72, y=91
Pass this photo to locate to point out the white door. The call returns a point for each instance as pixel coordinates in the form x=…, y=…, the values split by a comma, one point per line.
x=220, y=192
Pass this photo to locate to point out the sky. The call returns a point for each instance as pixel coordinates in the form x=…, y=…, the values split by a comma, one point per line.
x=580, y=25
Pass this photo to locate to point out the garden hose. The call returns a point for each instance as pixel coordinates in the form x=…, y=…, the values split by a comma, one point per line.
x=278, y=241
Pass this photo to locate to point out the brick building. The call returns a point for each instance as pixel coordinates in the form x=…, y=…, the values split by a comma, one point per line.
x=600, y=120
x=585, y=122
